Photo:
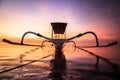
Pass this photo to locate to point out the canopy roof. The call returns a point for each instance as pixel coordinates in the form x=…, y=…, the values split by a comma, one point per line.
x=59, y=27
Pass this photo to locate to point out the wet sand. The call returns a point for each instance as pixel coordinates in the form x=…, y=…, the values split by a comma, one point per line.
x=42, y=70
x=73, y=68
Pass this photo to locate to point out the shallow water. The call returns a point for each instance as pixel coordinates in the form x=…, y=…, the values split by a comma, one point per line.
x=79, y=65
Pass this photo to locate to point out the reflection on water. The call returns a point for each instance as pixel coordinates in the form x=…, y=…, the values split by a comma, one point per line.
x=58, y=64
x=77, y=65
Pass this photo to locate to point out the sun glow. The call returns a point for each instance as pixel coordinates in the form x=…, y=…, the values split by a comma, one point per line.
x=16, y=18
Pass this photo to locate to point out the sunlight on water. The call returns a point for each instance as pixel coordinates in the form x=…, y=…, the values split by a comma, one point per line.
x=12, y=56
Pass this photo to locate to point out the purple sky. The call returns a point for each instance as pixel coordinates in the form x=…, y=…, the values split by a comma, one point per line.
x=100, y=16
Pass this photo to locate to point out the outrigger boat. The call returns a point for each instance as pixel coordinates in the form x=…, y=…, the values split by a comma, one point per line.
x=59, y=30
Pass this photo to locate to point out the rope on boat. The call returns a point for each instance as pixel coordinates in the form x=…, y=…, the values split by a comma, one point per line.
x=24, y=64
x=99, y=57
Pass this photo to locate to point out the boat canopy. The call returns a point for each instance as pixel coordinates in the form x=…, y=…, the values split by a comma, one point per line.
x=59, y=27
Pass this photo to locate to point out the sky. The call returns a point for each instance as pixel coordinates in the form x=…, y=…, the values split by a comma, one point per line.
x=99, y=16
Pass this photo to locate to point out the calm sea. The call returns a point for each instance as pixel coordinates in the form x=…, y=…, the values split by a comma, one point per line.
x=79, y=65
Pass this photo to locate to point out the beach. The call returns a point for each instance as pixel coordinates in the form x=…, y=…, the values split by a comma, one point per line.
x=78, y=65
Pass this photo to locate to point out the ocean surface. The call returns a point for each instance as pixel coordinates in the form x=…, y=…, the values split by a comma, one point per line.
x=78, y=65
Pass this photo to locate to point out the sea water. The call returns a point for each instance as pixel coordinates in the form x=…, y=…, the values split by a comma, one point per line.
x=79, y=65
